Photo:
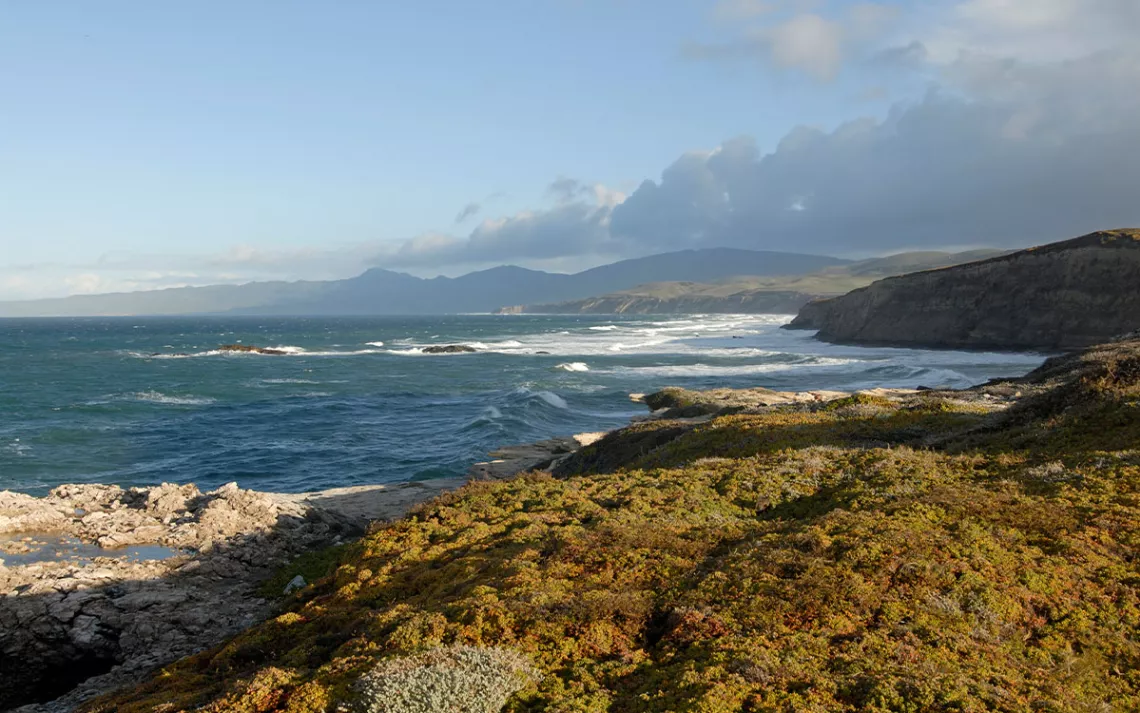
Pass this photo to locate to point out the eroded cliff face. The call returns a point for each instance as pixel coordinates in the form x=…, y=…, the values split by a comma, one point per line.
x=1065, y=295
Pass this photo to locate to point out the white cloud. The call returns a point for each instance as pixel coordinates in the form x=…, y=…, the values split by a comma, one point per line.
x=791, y=36
x=1032, y=31
x=808, y=42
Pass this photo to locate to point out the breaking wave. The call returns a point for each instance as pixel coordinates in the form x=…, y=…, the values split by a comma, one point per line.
x=573, y=366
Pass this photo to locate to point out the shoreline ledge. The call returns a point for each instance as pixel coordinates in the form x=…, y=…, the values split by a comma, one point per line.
x=104, y=584
x=83, y=626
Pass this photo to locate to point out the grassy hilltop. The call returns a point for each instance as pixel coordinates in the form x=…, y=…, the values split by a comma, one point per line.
x=944, y=551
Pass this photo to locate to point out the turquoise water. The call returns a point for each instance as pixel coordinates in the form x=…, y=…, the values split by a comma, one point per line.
x=142, y=401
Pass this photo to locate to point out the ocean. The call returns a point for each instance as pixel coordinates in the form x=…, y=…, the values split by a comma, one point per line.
x=140, y=401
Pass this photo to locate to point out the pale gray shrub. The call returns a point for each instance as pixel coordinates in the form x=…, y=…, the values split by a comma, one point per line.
x=1053, y=472
x=454, y=679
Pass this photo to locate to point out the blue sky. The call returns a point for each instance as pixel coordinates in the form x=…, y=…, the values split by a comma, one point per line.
x=152, y=144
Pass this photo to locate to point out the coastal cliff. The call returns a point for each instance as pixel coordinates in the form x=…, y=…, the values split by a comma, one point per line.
x=1065, y=295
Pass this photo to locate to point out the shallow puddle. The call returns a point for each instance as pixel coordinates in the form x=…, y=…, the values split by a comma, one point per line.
x=23, y=549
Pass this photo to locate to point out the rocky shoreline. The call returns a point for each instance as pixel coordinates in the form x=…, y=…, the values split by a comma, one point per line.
x=100, y=585
x=161, y=573
x=75, y=627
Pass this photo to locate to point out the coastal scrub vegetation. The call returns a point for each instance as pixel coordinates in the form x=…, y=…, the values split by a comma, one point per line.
x=935, y=552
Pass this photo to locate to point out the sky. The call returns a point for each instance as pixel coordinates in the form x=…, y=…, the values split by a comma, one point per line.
x=147, y=145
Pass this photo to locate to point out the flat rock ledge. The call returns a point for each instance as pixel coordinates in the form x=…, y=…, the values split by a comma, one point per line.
x=71, y=629
x=510, y=461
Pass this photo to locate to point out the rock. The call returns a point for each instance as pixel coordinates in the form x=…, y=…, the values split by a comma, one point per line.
x=585, y=439
x=110, y=620
x=449, y=349
x=294, y=584
x=168, y=499
x=242, y=348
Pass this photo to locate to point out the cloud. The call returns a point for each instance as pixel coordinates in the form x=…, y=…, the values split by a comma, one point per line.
x=1038, y=31
x=577, y=225
x=815, y=43
x=469, y=211
x=564, y=189
x=871, y=94
x=912, y=55
x=1004, y=151
x=1033, y=153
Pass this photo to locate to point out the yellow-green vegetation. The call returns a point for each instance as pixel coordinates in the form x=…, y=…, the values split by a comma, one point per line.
x=926, y=554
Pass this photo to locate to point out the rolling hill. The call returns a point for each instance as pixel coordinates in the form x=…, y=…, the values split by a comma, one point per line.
x=783, y=294
x=378, y=291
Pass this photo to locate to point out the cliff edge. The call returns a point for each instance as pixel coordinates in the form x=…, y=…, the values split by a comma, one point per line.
x=1061, y=296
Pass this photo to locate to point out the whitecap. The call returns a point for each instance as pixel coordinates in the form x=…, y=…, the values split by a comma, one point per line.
x=573, y=366
x=699, y=369
x=161, y=398
x=604, y=328
x=355, y=352
x=375, y=344
x=288, y=381
x=492, y=412
x=18, y=448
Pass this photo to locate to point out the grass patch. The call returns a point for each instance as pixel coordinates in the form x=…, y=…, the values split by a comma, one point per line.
x=313, y=566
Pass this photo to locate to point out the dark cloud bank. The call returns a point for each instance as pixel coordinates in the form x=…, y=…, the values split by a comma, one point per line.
x=1002, y=153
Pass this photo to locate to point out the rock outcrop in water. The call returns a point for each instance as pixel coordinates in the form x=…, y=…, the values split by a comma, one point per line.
x=246, y=349
x=449, y=349
x=1065, y=295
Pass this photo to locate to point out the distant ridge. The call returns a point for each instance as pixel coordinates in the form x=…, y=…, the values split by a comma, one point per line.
x=764, y=295
x=379, y=292
x=1065, y=295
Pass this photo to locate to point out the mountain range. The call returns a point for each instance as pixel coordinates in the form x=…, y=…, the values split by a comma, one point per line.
x=379, y=291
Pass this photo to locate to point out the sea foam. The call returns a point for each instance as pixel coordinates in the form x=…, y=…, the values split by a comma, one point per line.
x=161, y=398
x=573, y=366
